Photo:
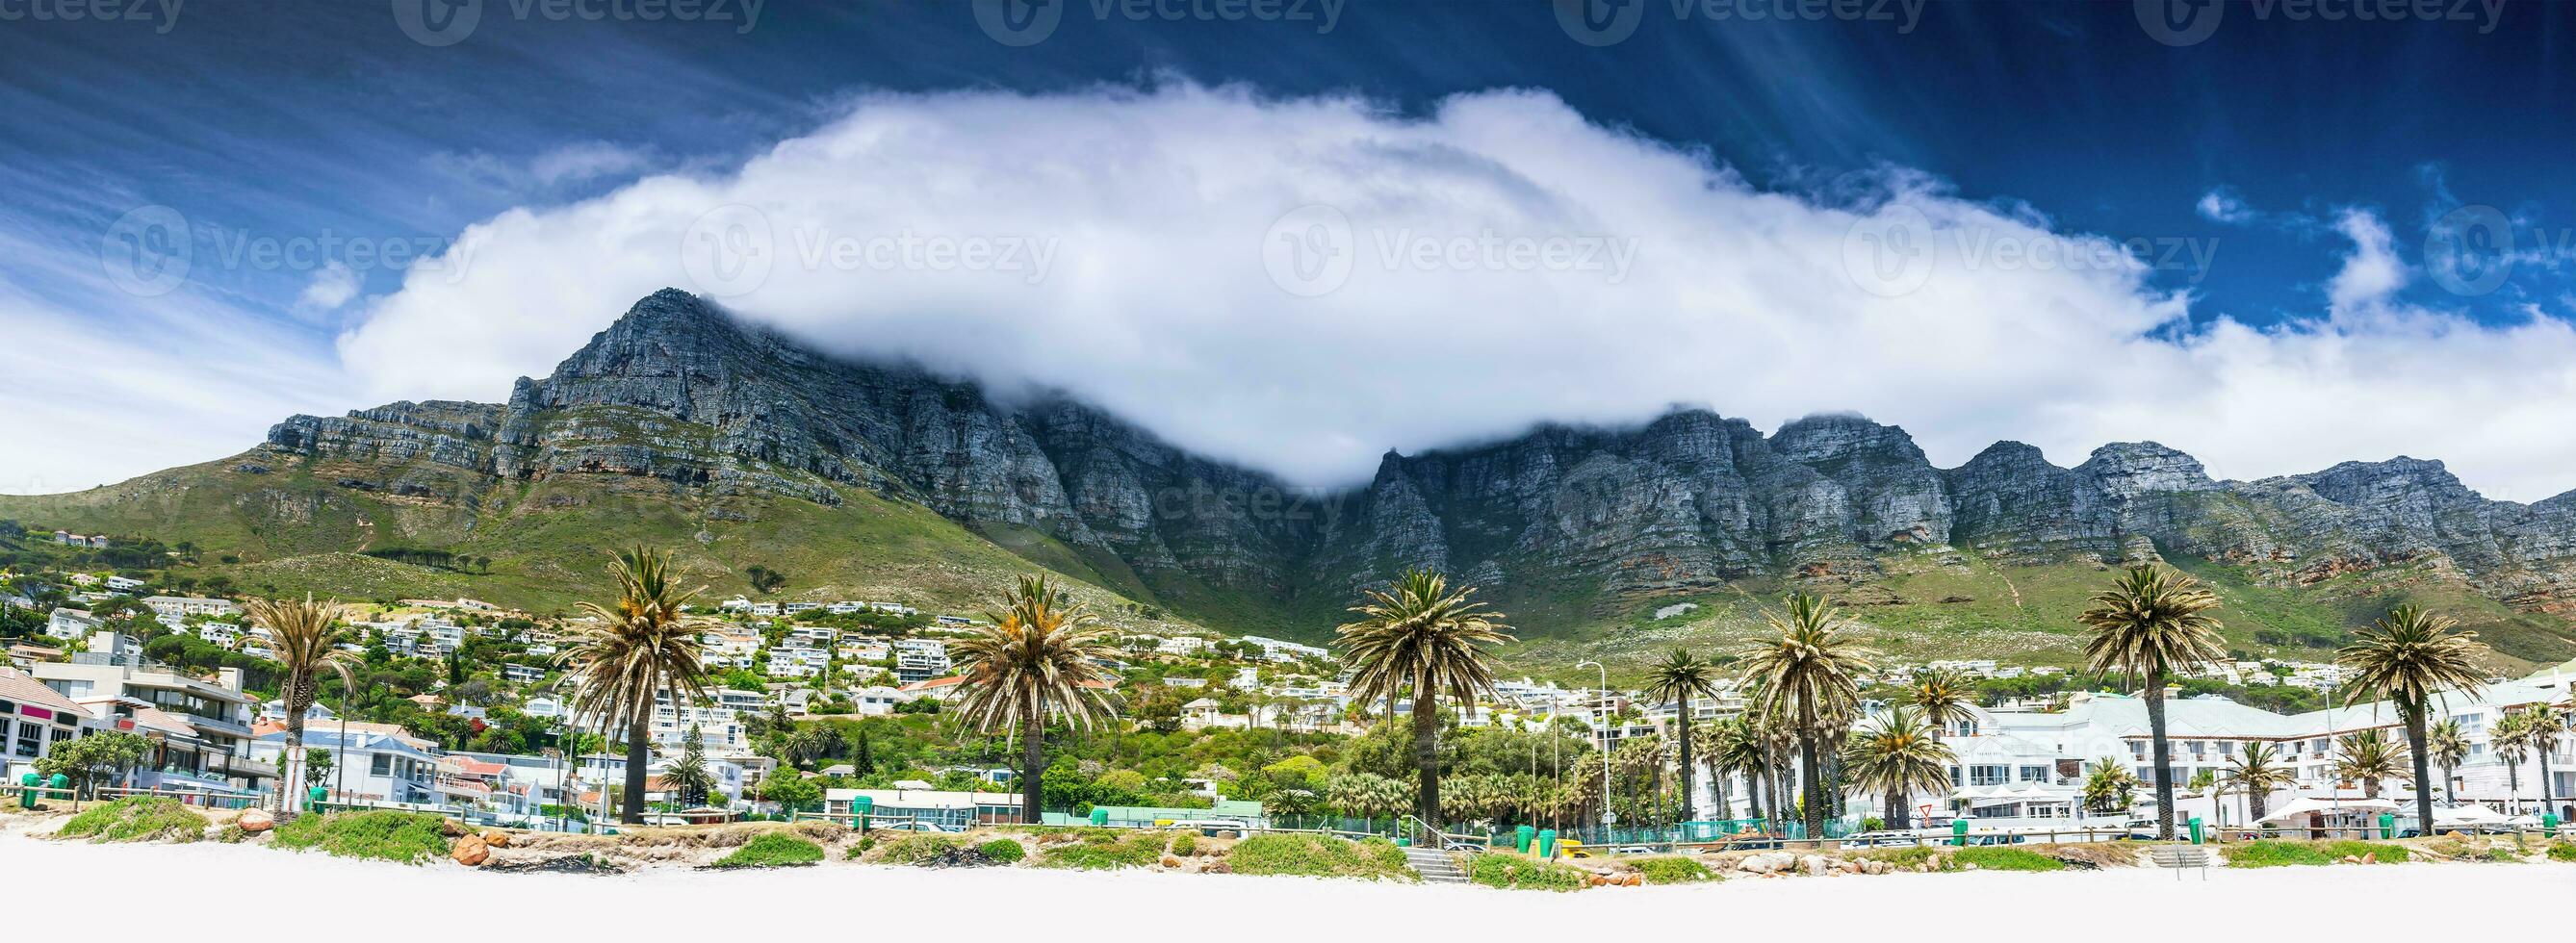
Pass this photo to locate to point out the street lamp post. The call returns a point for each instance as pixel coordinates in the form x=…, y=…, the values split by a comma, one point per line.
x=1605, y=748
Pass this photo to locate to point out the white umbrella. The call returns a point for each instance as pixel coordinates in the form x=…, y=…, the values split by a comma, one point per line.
x=2466, y=815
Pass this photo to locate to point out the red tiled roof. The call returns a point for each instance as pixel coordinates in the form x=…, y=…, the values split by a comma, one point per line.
x=933, y=683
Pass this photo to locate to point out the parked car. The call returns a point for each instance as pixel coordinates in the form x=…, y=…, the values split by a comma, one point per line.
x=1209, y=827
x=1883, y=839
x=913, y=827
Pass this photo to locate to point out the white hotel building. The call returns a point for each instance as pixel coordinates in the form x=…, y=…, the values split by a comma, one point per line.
x=2025, y=764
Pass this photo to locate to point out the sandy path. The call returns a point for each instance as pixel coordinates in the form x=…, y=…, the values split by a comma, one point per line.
x=89, y=883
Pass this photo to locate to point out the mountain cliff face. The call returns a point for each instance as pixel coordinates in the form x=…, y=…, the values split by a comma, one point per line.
x=678, y=394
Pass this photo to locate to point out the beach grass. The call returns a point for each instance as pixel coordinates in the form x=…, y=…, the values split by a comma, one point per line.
x=1320, y=856
x=380, y=835
x=774, y=850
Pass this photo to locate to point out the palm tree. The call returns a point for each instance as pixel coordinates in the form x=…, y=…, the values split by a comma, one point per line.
x=627, y=655
x=1740, y=749
x=1709, y=742
x=2369, y=758
x=2448, y=746
x=303, y=637
x=688, y=779
x=2258, y=770
x=1418, y=634
x=1897, y=755
x=2148, y=624
x=1808, y=682
x=2110, y=787
x=1945, y=696
x=1679, y=678
x=2511, y=737
x=2547, y=721
x=2409, y=656
x=1040, y=657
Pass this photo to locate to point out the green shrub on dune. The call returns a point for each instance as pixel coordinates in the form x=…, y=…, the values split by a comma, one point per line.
x=381, y=835
x=773, y=850
x=1519, y=873
x=1319, y=856
x=1674, y=869
x=137, y=818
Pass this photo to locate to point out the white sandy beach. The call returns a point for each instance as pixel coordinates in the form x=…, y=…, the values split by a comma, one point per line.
x=86, y=888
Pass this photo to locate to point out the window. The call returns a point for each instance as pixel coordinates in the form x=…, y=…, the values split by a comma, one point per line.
x=1989, y=775
x=381, y=764
x=31, y=739
x=2034, y=774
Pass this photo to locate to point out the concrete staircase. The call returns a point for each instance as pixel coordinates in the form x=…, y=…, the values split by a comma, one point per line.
x=1435, y=866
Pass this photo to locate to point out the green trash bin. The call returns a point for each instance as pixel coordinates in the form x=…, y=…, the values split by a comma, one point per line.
x=2549, y=822
x=1959, y=832
x=1547, y=843
x=861, y=808
x=1521, y=838
x=27, y=797
x=1099, y=818
x=2387, y=825
x=314, y=797
x=2195, y=830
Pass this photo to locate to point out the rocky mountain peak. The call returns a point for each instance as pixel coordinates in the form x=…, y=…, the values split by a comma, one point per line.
x=2131, y=469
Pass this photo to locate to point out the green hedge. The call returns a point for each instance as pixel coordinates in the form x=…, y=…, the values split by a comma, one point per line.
x=1003, y=851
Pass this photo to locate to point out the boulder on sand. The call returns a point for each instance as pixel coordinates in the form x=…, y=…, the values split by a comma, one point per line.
x=256, y=821
x=470, y=851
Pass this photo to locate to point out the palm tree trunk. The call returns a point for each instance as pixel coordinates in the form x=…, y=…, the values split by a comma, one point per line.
x=294, y=691
x=1815, y=785
x=1753, y=795
x=639, y=736
x=2163, y=752
x=1686, y=759
x=2423, y=790
x=1426, y=755
x=1033, y=768
x=2512, y=788
x=1897, y=817
x=2540, y=753
x=2450, y=796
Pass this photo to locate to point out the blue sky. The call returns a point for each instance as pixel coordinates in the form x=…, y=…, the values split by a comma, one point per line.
x=2291, y=188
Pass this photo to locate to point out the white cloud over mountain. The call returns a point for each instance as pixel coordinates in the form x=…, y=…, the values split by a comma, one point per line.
x=1300, y=284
